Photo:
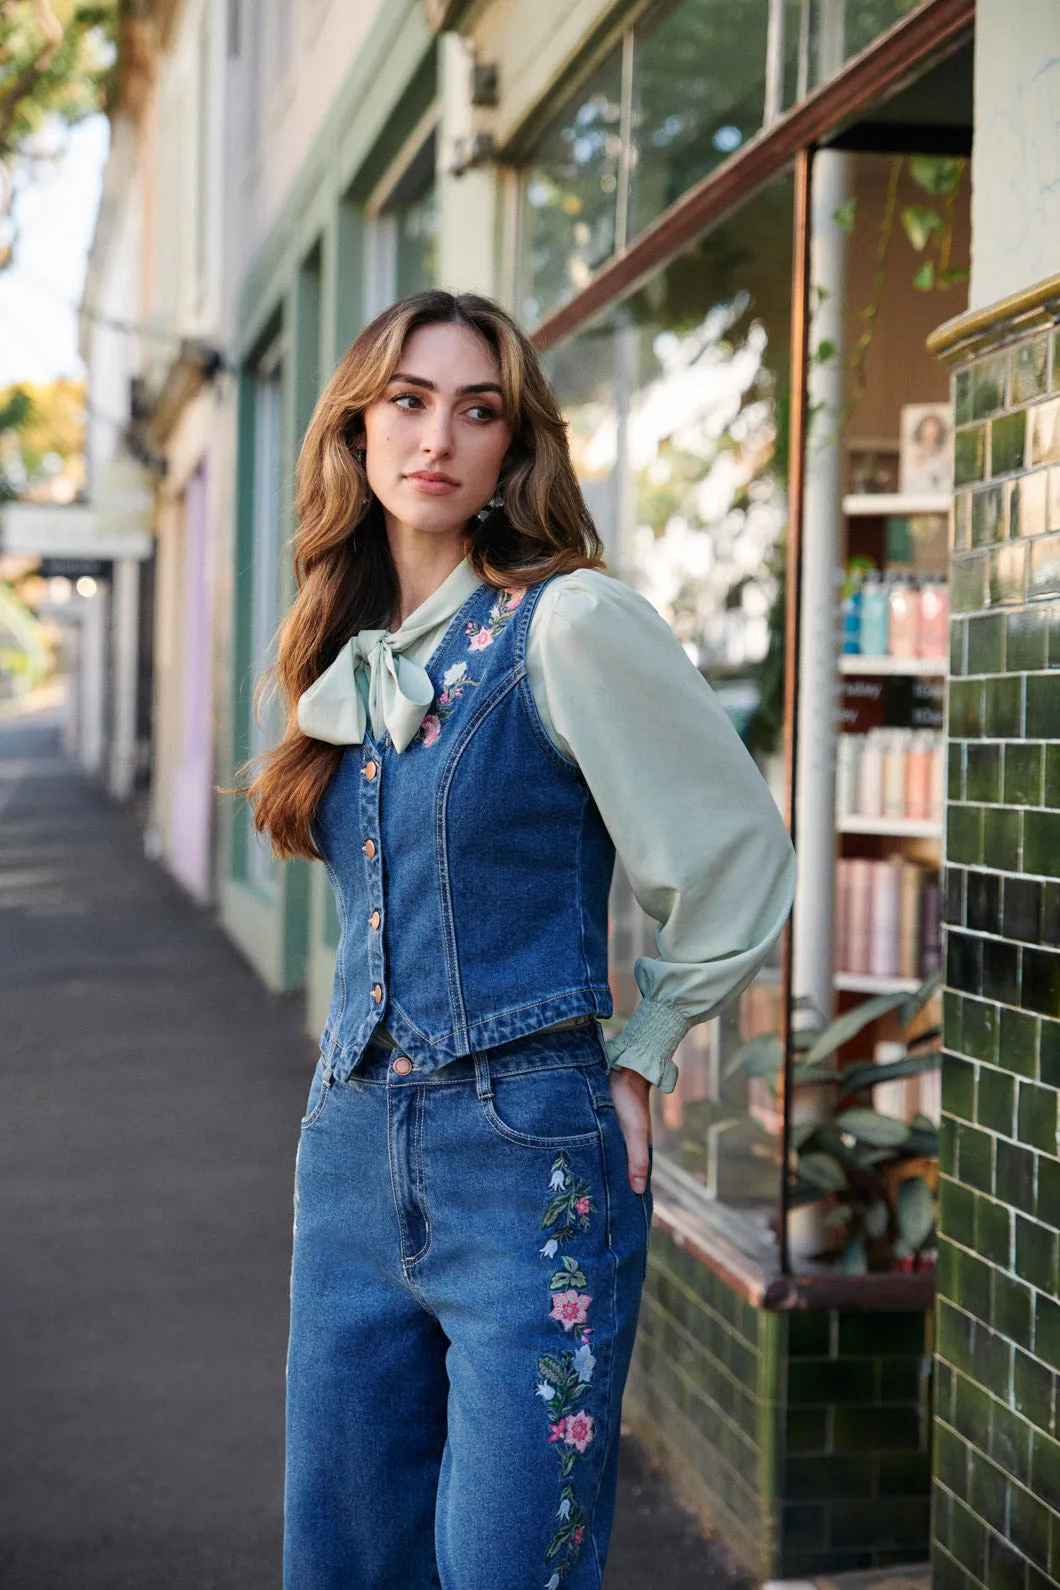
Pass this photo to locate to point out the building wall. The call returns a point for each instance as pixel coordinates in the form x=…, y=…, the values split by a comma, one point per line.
x=997, y=1454
x=1016, y=165
x=801, y=1437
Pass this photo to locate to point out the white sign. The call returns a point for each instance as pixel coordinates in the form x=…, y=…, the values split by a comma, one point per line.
x=54, y=530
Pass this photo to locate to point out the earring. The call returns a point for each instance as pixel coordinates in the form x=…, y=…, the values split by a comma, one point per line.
x=360, y=454
x=495, y=502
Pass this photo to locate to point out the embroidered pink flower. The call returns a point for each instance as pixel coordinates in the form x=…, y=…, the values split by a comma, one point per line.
x=570, y=1308
x=558, y=1432
x=480, y=640
x=443, y=699
x=579, y=1533
x=579, y=1430
x=430, y=728
x=513, y=598
x=583, y=1206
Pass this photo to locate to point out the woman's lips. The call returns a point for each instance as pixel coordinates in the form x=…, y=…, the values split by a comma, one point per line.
x=433, y=485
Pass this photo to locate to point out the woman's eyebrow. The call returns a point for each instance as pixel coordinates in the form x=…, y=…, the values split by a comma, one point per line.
x=431, y=386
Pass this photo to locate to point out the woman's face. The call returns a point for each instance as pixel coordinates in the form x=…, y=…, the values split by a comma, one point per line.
x=435, y=440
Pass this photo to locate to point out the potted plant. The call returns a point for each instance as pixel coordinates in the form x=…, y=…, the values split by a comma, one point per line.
x=871, y=1174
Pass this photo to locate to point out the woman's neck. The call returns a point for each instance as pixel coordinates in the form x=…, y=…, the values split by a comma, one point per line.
x=422, y=563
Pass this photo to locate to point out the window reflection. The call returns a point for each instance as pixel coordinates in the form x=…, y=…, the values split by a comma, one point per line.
x=570, y=194
x=698, y=95
x=677, y=407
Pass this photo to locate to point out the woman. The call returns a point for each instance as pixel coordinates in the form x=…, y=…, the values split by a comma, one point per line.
x=478, y=717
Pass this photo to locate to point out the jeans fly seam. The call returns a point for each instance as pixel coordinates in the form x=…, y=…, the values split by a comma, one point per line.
x=420, y=1183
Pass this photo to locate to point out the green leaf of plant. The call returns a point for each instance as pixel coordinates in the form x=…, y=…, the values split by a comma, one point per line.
x=939, y=175
x=920, y=224
x=915, y=1212
x=804, y=1073
x=953, y=276
x=844, y=216
x=869, y=1126
x=847, y=1026
x=839, y=1216
x=801, y=1133
x=758, y=1057
x=915, y=1002
x=823, y=1171
x=869, y=1072
x=924, y=280
x=824, y=351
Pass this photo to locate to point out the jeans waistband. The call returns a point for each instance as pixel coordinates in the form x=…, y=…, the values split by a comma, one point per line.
x=575, y=1042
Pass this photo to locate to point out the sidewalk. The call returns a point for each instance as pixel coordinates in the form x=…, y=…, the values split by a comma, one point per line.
x=150, y=1091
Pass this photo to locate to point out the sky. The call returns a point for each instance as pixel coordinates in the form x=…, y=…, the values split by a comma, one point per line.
x=40, y=291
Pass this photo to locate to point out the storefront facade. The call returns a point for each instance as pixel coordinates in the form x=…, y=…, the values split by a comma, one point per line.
x=717, y=219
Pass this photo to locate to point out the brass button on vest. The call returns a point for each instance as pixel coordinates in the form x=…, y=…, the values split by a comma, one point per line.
x=377, y=994
x=374, y=921
x=370, y=770
x=403, y=1065
x=369, y=848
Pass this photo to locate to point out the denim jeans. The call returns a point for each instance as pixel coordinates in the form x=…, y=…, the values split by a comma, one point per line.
x=468, y=1261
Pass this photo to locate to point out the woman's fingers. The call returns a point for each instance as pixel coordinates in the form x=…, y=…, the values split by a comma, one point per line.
x=630, y=1093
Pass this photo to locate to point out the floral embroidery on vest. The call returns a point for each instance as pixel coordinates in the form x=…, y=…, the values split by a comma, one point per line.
x=566, y=1373
x=482, y=635
x=455, y=681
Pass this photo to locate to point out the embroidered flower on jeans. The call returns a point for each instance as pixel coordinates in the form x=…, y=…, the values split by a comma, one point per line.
x=565, y=1374
x=578, y=1430
x=570, y=1308
x=430, y=728
x=453, y=675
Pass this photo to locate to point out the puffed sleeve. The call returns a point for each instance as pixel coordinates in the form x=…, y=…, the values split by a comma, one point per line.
x=693, y=821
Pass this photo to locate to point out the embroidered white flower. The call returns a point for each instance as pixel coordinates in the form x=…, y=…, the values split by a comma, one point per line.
x=553, y=1583
x=584, y=1363
x=557, y=1180
x=549, y=1250
x=454, y=674
x=545, y=1391
x=563, y=1510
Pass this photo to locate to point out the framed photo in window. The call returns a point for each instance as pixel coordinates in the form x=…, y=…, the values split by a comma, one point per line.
x=925, y=453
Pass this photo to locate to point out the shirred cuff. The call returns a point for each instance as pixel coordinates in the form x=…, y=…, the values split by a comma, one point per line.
x=648, y=1040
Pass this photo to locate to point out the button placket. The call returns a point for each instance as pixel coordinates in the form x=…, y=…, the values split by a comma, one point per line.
x=370, y=804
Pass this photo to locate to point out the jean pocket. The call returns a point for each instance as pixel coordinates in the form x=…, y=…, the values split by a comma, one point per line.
x=319, y=1093
x=552, y=1108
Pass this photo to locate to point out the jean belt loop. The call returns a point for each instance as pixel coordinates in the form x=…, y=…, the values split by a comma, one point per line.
x=483, y=1085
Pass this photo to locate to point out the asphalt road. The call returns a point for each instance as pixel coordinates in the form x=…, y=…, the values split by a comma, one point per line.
x=150, y=1091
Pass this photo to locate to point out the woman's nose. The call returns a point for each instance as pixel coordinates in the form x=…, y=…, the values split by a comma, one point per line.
x=437, y=439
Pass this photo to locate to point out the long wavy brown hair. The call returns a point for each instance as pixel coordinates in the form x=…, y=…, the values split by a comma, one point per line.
x=345, y=574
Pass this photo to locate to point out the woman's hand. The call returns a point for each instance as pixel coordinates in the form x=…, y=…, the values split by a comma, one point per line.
x=630, y=1094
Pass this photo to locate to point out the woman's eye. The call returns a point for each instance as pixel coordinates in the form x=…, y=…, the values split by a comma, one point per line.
x=483, y=411
x=407, y=398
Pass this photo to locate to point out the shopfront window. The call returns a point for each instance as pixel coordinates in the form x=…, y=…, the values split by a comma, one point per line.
x=832, y=31
x=401, y=231
x=699, y=75
x=677, y=405
x=570, y=194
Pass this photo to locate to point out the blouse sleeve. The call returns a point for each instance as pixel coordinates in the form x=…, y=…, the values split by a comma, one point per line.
x=693, y=821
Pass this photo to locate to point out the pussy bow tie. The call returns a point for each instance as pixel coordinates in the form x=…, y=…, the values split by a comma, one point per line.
x=399, y=693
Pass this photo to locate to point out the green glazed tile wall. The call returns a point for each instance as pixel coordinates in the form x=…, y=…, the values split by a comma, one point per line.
x=996, y=1520
x=802, y=1436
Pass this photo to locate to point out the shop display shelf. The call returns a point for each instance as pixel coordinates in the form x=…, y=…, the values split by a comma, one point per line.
x=865, y=983
x=904, y=827
x=856, y=663
x=889, y=504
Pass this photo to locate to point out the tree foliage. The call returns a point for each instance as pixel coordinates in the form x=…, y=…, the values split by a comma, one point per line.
x=42, y=440
x=56, y=61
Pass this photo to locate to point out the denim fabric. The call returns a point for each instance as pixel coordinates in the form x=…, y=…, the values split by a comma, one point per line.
x=468, y=1261
x=478, y=911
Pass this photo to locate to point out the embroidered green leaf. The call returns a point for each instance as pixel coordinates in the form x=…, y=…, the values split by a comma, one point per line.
x=571, y=1275
x=553, y=1209
x=551, y=1369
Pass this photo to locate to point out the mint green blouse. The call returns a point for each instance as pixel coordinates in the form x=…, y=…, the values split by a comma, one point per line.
x=693, y=821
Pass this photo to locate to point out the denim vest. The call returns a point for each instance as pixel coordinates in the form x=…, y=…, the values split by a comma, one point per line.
x=472, y=870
